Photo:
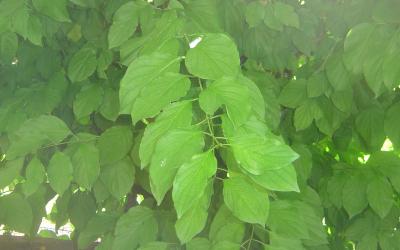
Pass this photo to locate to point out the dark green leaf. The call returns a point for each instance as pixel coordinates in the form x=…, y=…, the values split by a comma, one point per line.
x=354, y=194
x=10, y=171
x=125, y=20
x=86, y=165
x=55, y=9
x=82, y=65
x=114, y=144
x=60, y=172
x=137, y=226
x=294, y=93
x=380, y=196
x=33, y=133
x=16, y=212
x=118, y=177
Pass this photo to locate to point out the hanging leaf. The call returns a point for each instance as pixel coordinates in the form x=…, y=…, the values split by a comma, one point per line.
x=137, y=226
x=191, y=181
x=16, y=212
x=82, y=65
x=35, y=175
x=60, y=172
x=118, y=177
x=86, y=165
x=380, y=196
x=114, y=144
x=172, y=150
x=176, y=115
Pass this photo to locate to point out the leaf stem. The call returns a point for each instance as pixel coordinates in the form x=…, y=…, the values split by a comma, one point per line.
x=251, y=237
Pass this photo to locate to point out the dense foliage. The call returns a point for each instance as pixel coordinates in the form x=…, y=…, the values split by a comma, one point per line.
x=202, y=124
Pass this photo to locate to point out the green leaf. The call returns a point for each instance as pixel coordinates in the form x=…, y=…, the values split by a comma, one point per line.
x=286, y=219
x=257, y=101
x=143, y=72
x=87, y=101
x=282, y=179
x=278, y=242
x=60, y=172
x=191, y=181
x=317, y=85
x=172, y=150
x=35, y=30
x=97, y=226
x=391, y=70
x=137, y=226
x=331, y=118
x=114, y=144
x=294, y=93
x=392, y=124
x=247, y=202
x=258, y=154
x=160, y=92
x=385, y=11
x=286, y=14
x=343, y=100
x=316, y=230
x=198, y=244
x=56, y=9
x=86, y=165
x=370, y=124
x=125, y=20
x=16, y=213
x=388, y=164
x=305, y=114
x=176, y=115
x=271, y=20
x=203, y=15
x=335, y=188
x=254, y=14
x=230, y=92
x=380, y=196
x=226, y=227
x=82, y=64
x=194, y=220
x=213, y=57
x=81, y=208
x=35, y=175
x=110, y=106
x=156, y=245
x=162, y=38
x=8, y=47
x=356, y=46
x=337, y=74
x=118, y=177
x=354, y=194
x=35, y=132
x=10, y=171
x=226, y=245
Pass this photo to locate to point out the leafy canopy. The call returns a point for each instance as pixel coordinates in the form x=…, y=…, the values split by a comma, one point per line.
x=202, y=124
